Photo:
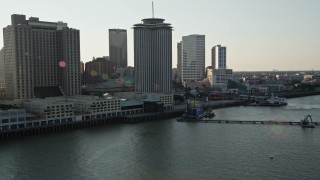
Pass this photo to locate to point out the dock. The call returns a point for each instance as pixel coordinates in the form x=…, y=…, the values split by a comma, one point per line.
x=265, y=122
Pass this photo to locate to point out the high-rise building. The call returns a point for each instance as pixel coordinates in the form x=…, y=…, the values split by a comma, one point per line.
x=118, y=47
x=179, y=60
x=220, y=74
x=219, y=54
x=153, y=56
x=40, y=54
x=193, y=57
x=1, y=66
x=98, y=70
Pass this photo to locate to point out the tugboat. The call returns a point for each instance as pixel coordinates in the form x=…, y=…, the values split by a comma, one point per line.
x=192, y=113
x=307, y=122
x=209, y=114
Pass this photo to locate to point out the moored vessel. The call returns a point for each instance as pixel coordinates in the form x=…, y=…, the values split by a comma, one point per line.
x=307, y=122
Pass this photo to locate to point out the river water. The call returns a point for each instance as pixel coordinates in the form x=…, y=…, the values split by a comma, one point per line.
x=176, y=150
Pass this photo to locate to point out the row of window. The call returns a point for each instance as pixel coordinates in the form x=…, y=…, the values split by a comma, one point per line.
x=13, y=120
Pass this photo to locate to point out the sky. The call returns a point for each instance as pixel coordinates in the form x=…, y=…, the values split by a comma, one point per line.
x=260, y=35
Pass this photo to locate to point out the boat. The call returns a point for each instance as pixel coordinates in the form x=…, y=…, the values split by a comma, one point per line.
x=307, y=122
x=193, y=113
x=274, y=101
x=209, y=114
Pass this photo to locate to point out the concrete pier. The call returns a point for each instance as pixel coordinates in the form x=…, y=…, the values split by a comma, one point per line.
x=266, y=122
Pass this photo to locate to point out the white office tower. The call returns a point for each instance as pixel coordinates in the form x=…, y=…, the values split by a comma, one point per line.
x=219, y=55
x=220, y=74
x=193, y=58
x=39, y=55
x=153, y=56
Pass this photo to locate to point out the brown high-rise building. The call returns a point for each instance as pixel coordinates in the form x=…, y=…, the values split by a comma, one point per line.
x=40, y=54
x=98, y=70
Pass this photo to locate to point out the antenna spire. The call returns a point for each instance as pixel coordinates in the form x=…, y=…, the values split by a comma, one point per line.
x=152, y=10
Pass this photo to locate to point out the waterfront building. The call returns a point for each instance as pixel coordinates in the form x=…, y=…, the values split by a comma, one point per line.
x=193, y=58
x=165, y=98
x=96, y=105
x=118, y=47
x=50, y=108
x=219, y=55
x=12, y=119
x=98, y=70
x=153, y=56
x=40, y=54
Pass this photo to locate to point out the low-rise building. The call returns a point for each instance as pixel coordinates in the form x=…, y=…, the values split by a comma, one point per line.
x=12, y=119
x=50, y=108
x=96, y=105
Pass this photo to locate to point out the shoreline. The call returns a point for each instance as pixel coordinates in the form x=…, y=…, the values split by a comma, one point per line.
x=132, y=119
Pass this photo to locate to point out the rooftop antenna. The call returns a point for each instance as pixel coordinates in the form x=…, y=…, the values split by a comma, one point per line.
x=152, y=10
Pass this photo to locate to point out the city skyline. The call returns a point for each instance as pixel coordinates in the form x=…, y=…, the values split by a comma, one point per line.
x=260, y=35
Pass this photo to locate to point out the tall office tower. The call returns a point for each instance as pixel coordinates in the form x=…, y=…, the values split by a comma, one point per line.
x=219, y=54
x=39, y=54
x=153, y=56
x=179, y=60
x=1, y=66
x=118, y=47
x=193, y=57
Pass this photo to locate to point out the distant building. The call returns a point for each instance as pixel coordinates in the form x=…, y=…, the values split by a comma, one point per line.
x=179, y=60
x=82, y=72
x=98, y=70
x=219, y=55
x=220, y=74
x=209, y=74
x=40, y=54
x=153, y=56
x=175, y=76
x=129, y=71
x=118, y=47
x=193, y=58
x=2, y=79
x=81, y=67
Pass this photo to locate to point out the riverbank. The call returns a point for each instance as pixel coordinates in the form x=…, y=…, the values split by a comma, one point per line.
x=128, y=119
x=298, y=94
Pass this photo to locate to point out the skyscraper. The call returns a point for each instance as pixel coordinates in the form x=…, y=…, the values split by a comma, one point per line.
x=153, y=56
x=118, y=47
x=220, y=74
x=219, y=54
x=193, y=57
x=179, y=60
x=40, y=54
x=1, y=66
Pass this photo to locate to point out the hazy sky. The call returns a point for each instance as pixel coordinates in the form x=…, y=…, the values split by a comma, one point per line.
x=259, y=34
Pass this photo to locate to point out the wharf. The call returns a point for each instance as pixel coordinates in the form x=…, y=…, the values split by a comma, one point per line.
x=97, y=122
x=266, y=122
